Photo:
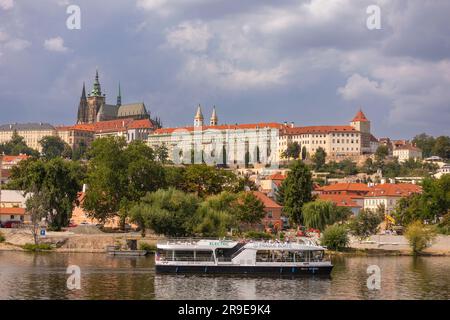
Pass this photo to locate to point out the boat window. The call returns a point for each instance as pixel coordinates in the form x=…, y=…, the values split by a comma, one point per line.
x=317, y=255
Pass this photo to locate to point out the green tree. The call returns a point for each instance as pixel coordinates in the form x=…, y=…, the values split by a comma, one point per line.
x=318, y=214
x=162, y=153
x=53, y=146
x=335, y=237
x=425, y=143
x=119, y=175
x=55, y=184
x=419, y=236
x=297, y=189
x=319, y=158
x=16, y=146
x=441, y=147
x=366, y=223
x=249, y=209
x=304, y=153
x=169, y=212
x=381, y=153
x=292, y=151
x=431, y=204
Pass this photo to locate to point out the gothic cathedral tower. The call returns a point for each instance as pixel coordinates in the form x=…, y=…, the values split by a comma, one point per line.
x=95, y=100
x=82, y=107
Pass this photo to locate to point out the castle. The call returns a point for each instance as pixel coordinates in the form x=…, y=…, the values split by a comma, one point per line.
x=93, y=107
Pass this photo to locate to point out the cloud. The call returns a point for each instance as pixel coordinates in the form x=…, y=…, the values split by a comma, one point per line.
x=6, y=4
x=189, y=36
x=17, y=44
x=55, y=44
x=358, y=86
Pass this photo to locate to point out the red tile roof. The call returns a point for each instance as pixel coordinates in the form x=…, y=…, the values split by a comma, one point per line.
x=360, y=116
x=12, y=211
x=361, y=187
x=111, y=125
x=318, y=129
x=268, y=203
x=276, y=176
x=408, y=147
x=341, y=200
x=394, y=190
x=20, y=157
x=272, y=125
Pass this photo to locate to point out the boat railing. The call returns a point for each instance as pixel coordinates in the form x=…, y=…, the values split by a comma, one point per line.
x=188, y=240
x=187, y=259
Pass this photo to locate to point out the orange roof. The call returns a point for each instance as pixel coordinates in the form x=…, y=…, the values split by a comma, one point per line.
x=345, y=187
x=318, y=129
x=268, y=203
x=276, y=176
x=15, y=158
x=408, y=147
x=141, y=124
x=341, y=200
x=394, y=190
x=79, y=127
x=12, y=211
x=273, y=125
x=360, y=116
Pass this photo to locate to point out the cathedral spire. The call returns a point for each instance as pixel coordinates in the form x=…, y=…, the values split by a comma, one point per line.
x=119, y=97
x=96, y=91
x=83, y=92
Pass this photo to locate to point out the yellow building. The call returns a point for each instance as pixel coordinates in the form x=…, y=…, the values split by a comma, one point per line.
x=31, y=132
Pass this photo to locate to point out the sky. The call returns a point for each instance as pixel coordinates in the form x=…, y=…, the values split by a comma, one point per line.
x=313, y=62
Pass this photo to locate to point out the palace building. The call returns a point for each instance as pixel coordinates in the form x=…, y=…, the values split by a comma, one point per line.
x=93, y=107
x=341, y=140
x=219, y=144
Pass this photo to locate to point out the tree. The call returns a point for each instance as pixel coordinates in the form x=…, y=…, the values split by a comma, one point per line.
x=16, y=146
x=318, y=214
x=425, y=143
x=419, y=236
x=431, y=204
x=249, y=209
x=162, y=153
x=292, y=151
x=167, y=212
x=365, y=223
x=319, y=158
x=304, y=153
x=118, y=175
x=381, y=153
x=297, y=189
x=369, y=166
x=55, y=185
x=441, y=147
x=335, y=237
x=53, y=146
x=205, y=180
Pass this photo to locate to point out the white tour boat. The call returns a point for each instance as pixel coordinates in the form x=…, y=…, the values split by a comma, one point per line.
x=239, y=257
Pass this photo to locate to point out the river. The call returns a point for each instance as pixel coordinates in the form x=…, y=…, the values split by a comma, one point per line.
x=43, y=276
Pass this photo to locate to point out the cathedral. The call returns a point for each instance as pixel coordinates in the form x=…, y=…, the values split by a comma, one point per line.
x=93, y=107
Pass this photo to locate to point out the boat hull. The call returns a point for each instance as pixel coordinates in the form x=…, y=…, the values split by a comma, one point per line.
x=232, y=269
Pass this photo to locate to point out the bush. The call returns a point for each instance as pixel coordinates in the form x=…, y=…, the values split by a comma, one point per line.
x=419, y=236
x=147, y=247
x=2, y=237
x=365, y=223
x=257, y=235
x=444, y=226
x=335, y=237
x=37, y=247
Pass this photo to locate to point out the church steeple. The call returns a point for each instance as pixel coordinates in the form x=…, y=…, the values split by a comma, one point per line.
x=214, y=119
x=96, y=91
x=119, y=98
x=198, y=120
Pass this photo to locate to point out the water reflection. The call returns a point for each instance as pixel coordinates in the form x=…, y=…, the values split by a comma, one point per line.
x=42, y=276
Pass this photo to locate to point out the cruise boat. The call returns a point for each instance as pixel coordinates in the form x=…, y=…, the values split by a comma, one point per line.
x=240, y=257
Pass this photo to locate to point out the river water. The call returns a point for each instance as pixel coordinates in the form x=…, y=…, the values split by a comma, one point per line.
x=43, y=276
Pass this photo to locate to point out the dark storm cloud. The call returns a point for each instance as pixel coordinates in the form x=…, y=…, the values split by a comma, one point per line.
x=312, y=62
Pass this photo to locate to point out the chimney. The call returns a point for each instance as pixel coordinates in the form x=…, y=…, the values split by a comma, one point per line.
x=285, y=123
x=292, y=124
